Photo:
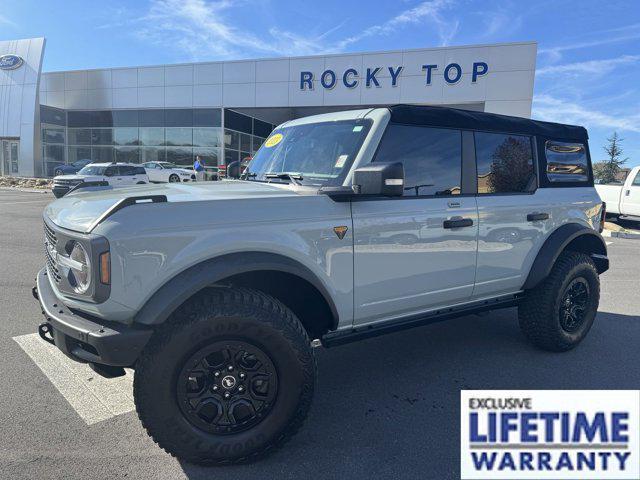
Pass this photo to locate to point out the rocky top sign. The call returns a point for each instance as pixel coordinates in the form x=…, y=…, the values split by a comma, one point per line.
x=351, y=77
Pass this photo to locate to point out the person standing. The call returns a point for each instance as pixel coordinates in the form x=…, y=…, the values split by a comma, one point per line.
x=198, y=166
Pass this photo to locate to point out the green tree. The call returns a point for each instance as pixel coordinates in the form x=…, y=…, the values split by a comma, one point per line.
x=607, y=170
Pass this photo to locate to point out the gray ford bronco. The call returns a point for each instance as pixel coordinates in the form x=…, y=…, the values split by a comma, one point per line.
x=344, y=226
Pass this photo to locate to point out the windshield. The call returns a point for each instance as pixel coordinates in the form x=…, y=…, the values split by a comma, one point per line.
x=168, y=165
x=317, y=153
x=91, y=170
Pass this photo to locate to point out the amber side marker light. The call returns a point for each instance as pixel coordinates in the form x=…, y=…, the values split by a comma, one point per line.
x=105, y=268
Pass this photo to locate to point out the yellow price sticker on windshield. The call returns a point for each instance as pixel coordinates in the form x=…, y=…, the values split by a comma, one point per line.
x=273, y=140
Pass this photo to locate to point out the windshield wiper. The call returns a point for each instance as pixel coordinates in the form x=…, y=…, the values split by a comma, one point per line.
x=294, y=177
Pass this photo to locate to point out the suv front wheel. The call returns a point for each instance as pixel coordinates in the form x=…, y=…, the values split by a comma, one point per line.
x=557, y=314
x=227, y=379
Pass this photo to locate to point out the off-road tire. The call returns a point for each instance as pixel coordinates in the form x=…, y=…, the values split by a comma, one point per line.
x=539, y=312
x=225, y=314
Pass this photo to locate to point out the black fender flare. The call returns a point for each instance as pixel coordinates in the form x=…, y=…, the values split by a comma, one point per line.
x=592, y=244
x=190, y=281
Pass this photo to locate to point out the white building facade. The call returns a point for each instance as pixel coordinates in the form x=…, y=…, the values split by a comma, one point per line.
x=223, y=111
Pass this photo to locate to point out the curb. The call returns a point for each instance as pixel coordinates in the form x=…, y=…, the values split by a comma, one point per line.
x=628, y=235
x=24, y=190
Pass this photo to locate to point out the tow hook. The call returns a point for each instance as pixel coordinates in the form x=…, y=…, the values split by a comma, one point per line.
x=44, y=330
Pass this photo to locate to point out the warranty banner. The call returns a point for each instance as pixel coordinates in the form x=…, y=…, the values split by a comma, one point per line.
x=550, y=434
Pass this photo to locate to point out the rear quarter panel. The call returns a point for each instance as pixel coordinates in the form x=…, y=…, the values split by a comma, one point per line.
x=580, y=205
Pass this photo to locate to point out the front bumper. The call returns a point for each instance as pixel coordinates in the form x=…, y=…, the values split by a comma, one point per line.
x=87, y=339
x=60, y=190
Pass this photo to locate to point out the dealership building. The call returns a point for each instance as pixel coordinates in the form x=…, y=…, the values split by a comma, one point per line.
x=223, y=111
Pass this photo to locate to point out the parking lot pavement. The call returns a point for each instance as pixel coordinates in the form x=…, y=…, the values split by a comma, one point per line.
x=386, y=407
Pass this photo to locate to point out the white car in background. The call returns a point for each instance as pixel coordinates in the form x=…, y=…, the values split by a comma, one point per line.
x=115, y=174
x=623, y=199
x=165, y=172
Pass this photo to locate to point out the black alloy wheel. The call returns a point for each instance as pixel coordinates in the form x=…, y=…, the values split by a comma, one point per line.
x=574, y=305
x=227, y=387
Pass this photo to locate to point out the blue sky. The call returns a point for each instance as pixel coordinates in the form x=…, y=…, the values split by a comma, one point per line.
x=588, y=69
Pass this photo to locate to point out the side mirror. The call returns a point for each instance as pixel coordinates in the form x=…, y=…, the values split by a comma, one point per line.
x=384, y=179
x=233, y=169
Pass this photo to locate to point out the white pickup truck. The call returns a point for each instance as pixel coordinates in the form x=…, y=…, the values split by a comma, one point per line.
x=623, y=199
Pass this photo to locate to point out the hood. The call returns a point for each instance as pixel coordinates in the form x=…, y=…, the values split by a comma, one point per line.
x=70, y=177
x=79, y=210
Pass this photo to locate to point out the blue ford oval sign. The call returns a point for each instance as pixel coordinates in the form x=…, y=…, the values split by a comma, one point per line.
x=10, y=62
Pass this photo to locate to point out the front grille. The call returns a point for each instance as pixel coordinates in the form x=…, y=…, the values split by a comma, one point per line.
x=50, y=243
x=66, y=183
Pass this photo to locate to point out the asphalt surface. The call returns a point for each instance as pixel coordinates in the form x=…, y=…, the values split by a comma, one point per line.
x=384, y=408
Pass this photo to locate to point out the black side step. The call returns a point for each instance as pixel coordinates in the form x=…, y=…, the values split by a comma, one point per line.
x=341, y=337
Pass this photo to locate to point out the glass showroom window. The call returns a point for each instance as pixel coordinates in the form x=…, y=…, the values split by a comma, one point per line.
x=180, y=155
x=178, y=136
x=102, y=136
x=52, y=148
x=125, y=136
x=102, y=154
x=127, y=154
x=153, y=154
x=76, y=153
x=79, y=136
x=151, y=136
x=256, y=143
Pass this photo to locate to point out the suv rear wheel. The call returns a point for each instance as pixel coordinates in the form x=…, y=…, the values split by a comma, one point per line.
x=557, y=314
x=228, y=379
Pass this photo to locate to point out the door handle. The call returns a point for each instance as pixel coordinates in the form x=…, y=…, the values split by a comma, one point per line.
x=534, y=217
x=627, y=193
x=457, y=223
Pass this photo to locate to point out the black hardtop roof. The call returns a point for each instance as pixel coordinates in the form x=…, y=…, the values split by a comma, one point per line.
x=492, y=122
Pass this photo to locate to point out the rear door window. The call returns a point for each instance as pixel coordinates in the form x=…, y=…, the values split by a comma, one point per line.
x=504, y=163
x=566, y=162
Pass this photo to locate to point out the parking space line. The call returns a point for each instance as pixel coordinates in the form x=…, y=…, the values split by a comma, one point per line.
x=94, y=398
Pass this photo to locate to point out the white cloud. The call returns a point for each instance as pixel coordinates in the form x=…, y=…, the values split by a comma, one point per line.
x=431, y=11
x=549, y=108
x=203, y=29
x=555, y=53
x=592, y=66
x=6, y=21
x=500, y=22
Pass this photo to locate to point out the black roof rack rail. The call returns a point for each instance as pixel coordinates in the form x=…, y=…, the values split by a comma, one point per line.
x=126, y=202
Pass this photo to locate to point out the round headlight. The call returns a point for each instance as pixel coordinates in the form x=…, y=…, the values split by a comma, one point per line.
x=80, y=273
